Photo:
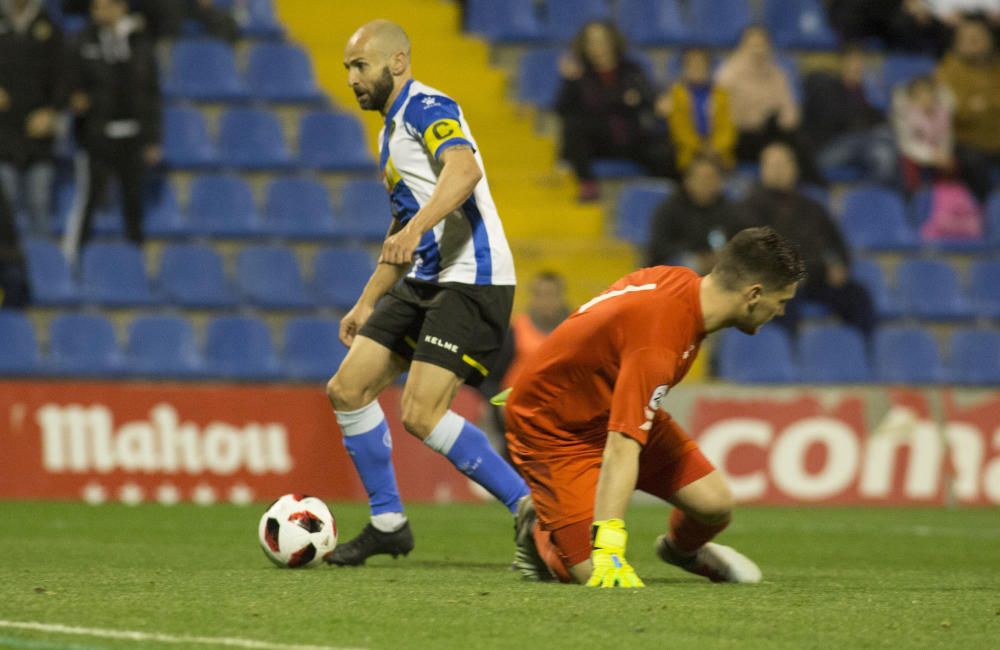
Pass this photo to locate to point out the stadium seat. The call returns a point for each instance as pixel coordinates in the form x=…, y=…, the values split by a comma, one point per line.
x=48, y=275
x=984, y=287
x=298, y=208
x=992, y=214
x=869, y=273
x=901, y=68
x=920, y=206
x=564, y=18
x=162, y=347
x=18, y=345
x=832, y=354
x=906, y=355
x=616, y=168
x=874, y=218
x=281, y=72
x=240, y=347
x=222, y=205
x=269, y=277
x=718, y=23
x=929, y=289
x=763, y=358
x=654, y=22
x=186, y=143
x=538, y=77
x=205, y=70
x=251, y=138
x=636, y=205
x=83, y=344
x=313, y=350
x=333, y=142
x=163, y=216
x=114, y=275
x=339, y=275
x=799, y=24
x=192, y=276
x=975, y=357
x=364, y=213
x=509, y=22
x=257, y=19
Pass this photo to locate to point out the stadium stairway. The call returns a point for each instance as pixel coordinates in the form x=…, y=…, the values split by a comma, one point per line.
x=545, y=225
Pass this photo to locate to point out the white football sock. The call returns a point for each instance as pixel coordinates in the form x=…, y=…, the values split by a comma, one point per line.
x=388, y=522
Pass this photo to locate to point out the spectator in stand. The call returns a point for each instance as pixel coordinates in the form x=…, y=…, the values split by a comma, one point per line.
x=971, y=70
x=698, y=113
x=606, y=105
x=776, y=202
x=165, y=18
x=922, y=114
x=114, y=91
x=763, y=106
x=30, y=57
x=842, y=126
x=691, y=226
x=857, y=20
x=14, y=291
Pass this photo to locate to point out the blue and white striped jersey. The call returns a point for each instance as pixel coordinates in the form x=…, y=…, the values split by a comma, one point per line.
x=467, y=246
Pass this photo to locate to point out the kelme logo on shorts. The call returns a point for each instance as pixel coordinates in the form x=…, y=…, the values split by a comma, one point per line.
x=447, y=345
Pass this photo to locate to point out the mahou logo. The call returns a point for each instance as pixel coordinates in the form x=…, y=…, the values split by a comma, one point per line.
x=84, y=439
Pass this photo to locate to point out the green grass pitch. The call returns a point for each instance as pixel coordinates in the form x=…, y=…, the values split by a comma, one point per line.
x=833, y=578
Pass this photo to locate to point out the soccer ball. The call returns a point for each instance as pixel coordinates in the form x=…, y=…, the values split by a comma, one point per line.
x=297, y=531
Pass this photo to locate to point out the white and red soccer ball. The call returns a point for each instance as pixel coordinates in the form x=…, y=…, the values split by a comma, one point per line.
x=297, y=531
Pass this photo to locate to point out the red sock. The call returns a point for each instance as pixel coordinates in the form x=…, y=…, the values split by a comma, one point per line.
x=687, y=534
x=550, y=554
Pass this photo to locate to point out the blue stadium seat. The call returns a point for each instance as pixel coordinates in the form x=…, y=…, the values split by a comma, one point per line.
x=992, y=214
x=192, y=275
x=114, y=275
x=900, y=68
x=83, y=344
x=281, y=72
x=765, y=357
x=205, y=70
x=906, y=355
x=186, y=143
x=339, y=275
x=538, y=77
x=333, y=141
x=833, y=354
x=162, y=347
x=869, y=273
x=313, y=350
x=654, y=22
x=251, y=138
x=636, y=205
x=269, y=277
x=984, y=287
x=874, y=218
x=364, y=213
x=799, y=24
x=719, y=23
x=223, y=206
x=18, y=345
x=975, y=357
x=930, y=290
x=240, y=347
x=48, y=275
x=512, y=21
x=564, y=18
x=298, y=208
x=920, y=206
x=258, y=21
x=164, y=218
x=616, y=168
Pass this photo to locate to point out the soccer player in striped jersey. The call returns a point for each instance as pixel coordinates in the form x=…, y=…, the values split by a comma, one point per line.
x=439, y=301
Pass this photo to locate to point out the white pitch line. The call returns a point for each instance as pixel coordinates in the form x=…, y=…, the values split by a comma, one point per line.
x=134, y=635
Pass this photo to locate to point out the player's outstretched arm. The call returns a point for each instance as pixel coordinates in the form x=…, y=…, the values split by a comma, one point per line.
x=619, y=472
x=458, y=178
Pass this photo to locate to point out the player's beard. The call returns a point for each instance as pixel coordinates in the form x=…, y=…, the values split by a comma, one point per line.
x=376, y=98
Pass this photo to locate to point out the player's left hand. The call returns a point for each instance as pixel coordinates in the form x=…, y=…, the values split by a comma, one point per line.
x=611, y=569
x=398, y=248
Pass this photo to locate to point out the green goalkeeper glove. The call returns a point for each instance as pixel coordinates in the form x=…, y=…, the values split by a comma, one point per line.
x=611, y=569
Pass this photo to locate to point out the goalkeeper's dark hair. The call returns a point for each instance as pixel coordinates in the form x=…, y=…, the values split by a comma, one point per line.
x=759, y=255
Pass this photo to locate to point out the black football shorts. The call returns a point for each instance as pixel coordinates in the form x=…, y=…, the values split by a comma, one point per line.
x=459, y=327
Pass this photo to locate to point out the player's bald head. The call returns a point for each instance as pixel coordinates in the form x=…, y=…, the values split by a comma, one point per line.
x=381, y=39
